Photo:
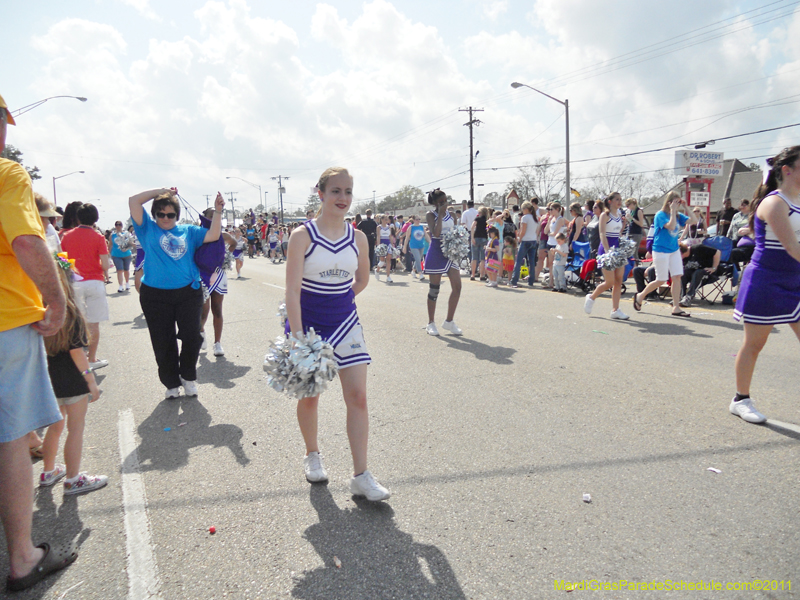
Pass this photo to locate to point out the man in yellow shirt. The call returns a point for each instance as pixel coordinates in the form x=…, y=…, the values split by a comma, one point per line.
x=28, y=282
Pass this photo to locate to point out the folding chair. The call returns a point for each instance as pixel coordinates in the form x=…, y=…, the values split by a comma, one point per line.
x=581, y=251
x=713, y=285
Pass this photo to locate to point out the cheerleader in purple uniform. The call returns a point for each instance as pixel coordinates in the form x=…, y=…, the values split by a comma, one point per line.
x=770, y=290
x=327, y=266
x=612, y=223
x=216, y=283
x=238, y=251
x=437, y=264
x=138, y=265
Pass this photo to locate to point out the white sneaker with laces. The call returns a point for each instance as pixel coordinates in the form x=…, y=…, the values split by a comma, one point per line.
x=588, y=304
x=314, y=469
x=389, y=279
x=365, y=485
x=189, y=387
x=618, y=314
x=204, y=345
x=422, y=278
x=173, y=393
x=48, y=479
x=452, y=327
x=98, y=364
x=218, y=351
x=120, y=289
x=431, y=329
x=84, y=483
x=746, y=410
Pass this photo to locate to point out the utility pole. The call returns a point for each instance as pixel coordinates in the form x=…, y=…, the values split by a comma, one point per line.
x=207, y=197
x=281, y=190
x=469, y=124
x=233, y=208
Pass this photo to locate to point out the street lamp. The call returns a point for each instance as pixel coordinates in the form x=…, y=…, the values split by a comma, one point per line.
x=255, y=185
x=30, y=107
x=55, y=202
x=565, y=104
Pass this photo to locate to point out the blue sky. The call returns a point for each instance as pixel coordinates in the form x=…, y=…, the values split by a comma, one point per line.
x=187, y=93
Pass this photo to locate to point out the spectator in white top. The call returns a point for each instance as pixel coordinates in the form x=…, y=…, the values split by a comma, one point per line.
x=469, y=215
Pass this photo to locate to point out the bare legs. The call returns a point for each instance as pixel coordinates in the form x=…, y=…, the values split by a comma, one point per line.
x=455, y=294
x=354, y=389
x=213, y=305
x=16, y=505
x=75, y=416
x=675, y=286
x=94, y=341
x=611, y=279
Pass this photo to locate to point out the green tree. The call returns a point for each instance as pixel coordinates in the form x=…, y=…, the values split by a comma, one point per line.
x=402, y=198
x=755, y=167
x=312, y=203
x=13, y=153
x=492, y=199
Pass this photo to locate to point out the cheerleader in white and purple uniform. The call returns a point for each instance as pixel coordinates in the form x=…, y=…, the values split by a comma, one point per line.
x=216, y=283
x=769, y=294
x=238, y=251
x=327, y=266
x=612, y=222
x=437, y=264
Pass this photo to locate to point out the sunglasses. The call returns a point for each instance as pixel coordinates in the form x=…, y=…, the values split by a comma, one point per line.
x=162, y=215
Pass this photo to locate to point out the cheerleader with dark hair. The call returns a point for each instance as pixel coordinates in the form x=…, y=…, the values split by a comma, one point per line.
x=770, y=290
x=437, y=264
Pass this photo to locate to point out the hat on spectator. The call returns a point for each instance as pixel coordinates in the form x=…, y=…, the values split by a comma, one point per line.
x=9, y=118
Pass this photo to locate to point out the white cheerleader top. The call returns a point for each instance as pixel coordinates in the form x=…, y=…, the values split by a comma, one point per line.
x=614, y=225
x=330, y=265
x=447, y=222
x=385, y=232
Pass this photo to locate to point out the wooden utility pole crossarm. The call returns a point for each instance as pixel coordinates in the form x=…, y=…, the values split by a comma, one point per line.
x=470, y=124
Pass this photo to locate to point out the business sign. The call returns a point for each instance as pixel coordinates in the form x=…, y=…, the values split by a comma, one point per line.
x=696, y=163
x=699, y=198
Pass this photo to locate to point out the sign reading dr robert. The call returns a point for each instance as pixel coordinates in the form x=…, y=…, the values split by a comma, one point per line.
x=695, y=163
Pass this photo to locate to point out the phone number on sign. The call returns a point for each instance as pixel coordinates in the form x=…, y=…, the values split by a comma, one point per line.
x=669, y=585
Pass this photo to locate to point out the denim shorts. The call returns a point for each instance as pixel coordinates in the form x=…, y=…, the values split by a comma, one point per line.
x=479, y=250
x=27, y=401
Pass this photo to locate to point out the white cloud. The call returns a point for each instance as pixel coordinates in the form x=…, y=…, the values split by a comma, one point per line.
x=143, y=8
x=495, y=8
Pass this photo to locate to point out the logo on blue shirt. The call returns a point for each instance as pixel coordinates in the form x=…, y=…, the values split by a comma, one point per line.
x=174, y=246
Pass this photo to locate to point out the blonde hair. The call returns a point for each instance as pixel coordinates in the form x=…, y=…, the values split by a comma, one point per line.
x=331, y=172
x=630, y=201
x=484, y=212
x=670, y=197
x=74, y=321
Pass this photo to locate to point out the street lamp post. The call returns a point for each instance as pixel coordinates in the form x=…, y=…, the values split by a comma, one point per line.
x=30, y=107
x=55, y=202
x=565, y=104
x=255, y=185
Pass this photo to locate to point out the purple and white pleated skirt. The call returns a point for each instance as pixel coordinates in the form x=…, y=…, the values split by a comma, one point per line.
x=436, y=261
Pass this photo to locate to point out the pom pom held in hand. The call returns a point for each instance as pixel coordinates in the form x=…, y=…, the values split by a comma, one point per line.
x=300, y=367
x=455, y=244
x=618, y=257
x=381, y=250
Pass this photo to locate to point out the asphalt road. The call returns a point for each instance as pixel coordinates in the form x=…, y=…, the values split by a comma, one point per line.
x=488, y=443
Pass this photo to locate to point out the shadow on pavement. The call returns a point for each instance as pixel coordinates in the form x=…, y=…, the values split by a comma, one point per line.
x=790, y=430
x=377, y=559
x=218, y=370
x=673, y=327
x=169, y=450
x=496, y=354
x=137, y=323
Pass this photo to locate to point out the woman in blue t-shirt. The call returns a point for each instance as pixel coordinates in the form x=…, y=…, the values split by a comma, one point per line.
x=121, y=245
x=170, y=294
x=668, y=224
x=415, y=242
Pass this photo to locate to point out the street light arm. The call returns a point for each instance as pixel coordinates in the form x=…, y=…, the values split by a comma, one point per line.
x=518, y=85
x=30, y=107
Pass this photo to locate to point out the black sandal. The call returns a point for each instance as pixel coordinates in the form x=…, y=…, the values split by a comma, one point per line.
x=682, y=313
x=637, y=306
x=52, y=561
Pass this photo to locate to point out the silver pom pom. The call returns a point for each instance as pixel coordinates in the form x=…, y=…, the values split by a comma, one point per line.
x=300, y=367
x=618, y=257
x=381, y=250
x=284, y=316
x=227, y=265
x=455, y=244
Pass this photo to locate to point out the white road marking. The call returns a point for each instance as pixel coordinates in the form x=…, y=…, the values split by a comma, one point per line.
x=273, y=285
x=143, y=580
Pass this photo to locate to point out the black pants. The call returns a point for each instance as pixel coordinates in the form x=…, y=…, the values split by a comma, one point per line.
x=164, y=309
x=371, y=243
x=642, y=276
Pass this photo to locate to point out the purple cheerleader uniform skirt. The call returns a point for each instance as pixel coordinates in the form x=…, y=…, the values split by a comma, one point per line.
x=435, y=260
x=768, y=296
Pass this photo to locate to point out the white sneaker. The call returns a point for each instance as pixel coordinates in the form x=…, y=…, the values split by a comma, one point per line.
x=377, y=275
x=48, y=479
x=618, y=314
x=365, y=485
x=314, y=469
x=422, y=278
x=413, y=275
x=98, y=364
x=218, y=351
x=238, y=275
x=173, y=393
x=189, y=387
x=745, y=409
x=127, y=286
x=588, y=304
x=452, y=327
x=204, y=345
x=120, y=289
x=431, y=329
x=389, y=279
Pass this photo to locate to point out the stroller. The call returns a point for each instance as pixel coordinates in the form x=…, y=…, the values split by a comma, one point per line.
x=581, y=270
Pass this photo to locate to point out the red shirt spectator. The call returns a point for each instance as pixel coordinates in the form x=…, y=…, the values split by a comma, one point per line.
x=86, y=246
